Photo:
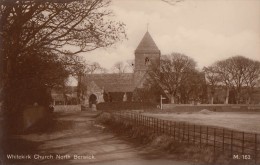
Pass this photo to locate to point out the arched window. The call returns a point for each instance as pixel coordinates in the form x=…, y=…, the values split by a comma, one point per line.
x=147, y=60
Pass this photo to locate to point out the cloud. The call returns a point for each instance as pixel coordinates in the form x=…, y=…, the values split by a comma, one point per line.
x=204, y=30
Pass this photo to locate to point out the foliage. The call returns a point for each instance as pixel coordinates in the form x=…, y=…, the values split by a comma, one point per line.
x=40, y=40
x=150, y=93
x=175, y=74
x=238, y=74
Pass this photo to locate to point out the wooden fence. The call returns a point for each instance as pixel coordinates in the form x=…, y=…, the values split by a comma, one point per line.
x=240, y=145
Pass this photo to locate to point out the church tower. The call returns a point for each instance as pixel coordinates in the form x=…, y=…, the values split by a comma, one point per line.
x=146, y=53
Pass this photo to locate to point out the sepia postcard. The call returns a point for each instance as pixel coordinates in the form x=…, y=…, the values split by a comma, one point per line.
x=130, y=82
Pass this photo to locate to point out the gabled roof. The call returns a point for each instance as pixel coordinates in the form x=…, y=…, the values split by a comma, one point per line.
x=116, y=82
x=147, y=45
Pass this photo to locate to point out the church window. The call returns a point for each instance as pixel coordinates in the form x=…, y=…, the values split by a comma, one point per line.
x=147, y=60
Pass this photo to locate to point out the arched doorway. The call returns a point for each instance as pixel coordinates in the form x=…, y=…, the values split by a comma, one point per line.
x=92, y=100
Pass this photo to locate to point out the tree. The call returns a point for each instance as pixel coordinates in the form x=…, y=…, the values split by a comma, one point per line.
x=193, y=88
x=60, y=28
x=94, y=67
x=173, y=71
x=212, y=79
x=251, y=77
x=225, y=76
x=236, y=73
x=119, y=67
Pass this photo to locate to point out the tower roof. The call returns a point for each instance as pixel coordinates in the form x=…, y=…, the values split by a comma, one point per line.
x=147, y=45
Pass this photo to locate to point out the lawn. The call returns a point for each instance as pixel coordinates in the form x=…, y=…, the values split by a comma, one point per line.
x=240, y=121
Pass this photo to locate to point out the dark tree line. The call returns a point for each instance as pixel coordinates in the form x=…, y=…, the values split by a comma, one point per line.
x=40, y=40
x=182, y=82
x=238, y=73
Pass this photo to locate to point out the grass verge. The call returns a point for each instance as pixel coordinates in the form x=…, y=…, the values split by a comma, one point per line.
x=179, y=150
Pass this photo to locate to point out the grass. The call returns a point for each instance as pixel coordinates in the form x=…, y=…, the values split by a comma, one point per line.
x=240, y=121
x=193, y=153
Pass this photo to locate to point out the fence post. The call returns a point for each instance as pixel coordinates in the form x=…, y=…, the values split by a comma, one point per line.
x=256, y=148
x=148, y=122
x=200, y=136
x=194, y=129
x=214, y=139
x=174, y=130
x=136, y=116
x=139, y=119
x=183, y=132
x=179, y=136
x=160, y=125
x=207, y=135
x=170, y=128
x=223, y=145
x=163, y=126
x=231, y=143
x=154, y=127
x=136, y=119
x=243, y=138
x=188, y=134
x=157, y=125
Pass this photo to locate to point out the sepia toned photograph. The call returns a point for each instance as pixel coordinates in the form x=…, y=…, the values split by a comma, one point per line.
x=130, y=82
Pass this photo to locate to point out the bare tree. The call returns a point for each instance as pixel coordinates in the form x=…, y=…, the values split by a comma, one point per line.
x=174, y=70
x=213, y=79
x=39, y=27
x=94, y=67
x=225, y=76
x=251, y=77
x=119, y=67
x=237, y=73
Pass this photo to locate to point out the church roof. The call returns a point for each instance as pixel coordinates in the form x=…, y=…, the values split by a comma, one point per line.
x=147, y=45
x=115, y=82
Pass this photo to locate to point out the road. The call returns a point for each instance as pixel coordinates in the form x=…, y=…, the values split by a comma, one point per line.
x=76, y=139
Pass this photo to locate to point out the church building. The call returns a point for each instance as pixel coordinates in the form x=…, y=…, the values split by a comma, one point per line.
x=114, y=87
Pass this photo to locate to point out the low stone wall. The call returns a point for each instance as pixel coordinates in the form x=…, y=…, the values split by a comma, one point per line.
x=125, y=106
x=215, y=107
x=33, y=114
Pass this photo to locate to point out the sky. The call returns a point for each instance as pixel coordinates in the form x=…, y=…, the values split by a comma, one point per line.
x=205, y=30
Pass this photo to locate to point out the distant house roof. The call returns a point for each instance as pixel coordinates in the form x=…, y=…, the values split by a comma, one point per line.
x=147, y=45
x=123, y=82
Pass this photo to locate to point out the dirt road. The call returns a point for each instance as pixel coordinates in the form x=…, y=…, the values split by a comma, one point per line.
x=76, y=139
